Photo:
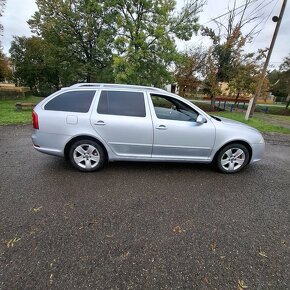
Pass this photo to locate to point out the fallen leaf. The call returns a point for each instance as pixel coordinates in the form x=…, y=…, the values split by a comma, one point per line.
x=213, y=246
x=263, y=254
x=92, y=223
x=284, y=242
x=178, y=230
x=70, y=205
x=242, y=285
x=206, y=279
x=10, y=243
x=125, y=255
x=36, y=209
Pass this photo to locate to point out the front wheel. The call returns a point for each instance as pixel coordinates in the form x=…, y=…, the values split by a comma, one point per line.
x=232, y=158
x=87, y=155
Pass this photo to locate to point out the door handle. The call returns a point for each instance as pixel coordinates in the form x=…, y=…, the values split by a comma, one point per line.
x=100, y=123
x=161, y=127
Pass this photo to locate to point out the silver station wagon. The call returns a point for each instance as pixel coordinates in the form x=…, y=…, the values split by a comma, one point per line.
x=90, y=124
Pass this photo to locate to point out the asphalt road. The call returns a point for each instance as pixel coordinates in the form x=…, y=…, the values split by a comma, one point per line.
x=142, y=225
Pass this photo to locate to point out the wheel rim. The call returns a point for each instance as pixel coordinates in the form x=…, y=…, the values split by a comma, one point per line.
x=233, y=159
x=86, y=156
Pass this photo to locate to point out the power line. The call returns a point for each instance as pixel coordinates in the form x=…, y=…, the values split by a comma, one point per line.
x=265, y=21
x=230, y=11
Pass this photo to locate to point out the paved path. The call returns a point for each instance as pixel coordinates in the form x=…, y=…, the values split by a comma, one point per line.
x=141, y=225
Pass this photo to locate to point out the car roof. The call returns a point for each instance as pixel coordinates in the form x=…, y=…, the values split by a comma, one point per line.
x=114, y=86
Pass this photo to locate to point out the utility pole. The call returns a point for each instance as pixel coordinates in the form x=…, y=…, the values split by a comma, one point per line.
x=260, y=84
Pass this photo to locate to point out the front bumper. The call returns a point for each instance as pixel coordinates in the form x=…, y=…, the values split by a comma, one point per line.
x=258, y=150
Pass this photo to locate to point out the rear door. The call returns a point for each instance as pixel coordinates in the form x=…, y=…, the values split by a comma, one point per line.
x=122, y=118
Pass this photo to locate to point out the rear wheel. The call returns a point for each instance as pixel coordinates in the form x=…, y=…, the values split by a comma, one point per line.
x=232, y=158
x=87, y=155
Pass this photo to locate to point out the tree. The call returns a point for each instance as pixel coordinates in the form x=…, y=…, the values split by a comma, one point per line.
x=246, y=74
x=189, y=68
x=285, y=68
x=145, y=43
x=32, y=64
x=228, y=41
x=5, y=69
x=211, y=84
x=82, y=34
x=2, y=6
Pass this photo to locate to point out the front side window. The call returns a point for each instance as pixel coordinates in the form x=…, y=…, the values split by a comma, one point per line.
x=75, y=101
x=172, y=109
x=122, y=103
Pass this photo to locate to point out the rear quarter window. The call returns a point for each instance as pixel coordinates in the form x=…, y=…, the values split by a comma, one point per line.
x=75, y=101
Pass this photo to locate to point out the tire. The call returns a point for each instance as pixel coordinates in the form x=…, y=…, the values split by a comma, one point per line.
x=232, y=158
x=87, y=156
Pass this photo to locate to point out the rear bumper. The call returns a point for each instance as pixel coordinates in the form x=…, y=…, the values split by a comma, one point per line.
x=49, y=151
x=257, y=152
x=47, y=143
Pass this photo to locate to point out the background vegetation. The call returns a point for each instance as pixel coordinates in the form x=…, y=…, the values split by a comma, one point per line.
x=134, y=42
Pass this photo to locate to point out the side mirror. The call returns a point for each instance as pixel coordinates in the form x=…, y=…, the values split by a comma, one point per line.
x=201, y=119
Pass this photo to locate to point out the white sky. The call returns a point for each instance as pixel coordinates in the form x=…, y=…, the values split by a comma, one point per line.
x=17, y=12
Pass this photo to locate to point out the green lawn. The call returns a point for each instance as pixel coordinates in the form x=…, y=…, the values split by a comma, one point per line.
x=255, y=122
x=9, y=115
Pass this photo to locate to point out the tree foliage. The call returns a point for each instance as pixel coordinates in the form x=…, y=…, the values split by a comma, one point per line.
x=246, y=74
x=129, y=41
x=189, y=69
x=228, y=62
x=145, y=43
x=5, y=69
x=33, y=67
x=280, y=81
x=82, y=34
x=2, y=6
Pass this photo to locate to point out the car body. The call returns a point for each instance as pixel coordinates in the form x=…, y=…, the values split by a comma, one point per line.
x=110, y=122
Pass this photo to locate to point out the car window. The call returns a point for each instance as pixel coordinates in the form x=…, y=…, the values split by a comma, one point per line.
x=75, y=101
x=122, y=103
x=172, y=109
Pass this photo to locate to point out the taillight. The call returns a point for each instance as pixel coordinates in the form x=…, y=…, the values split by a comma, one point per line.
x=35, y=120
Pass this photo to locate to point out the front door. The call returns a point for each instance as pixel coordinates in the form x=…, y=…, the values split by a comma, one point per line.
x=177, y=135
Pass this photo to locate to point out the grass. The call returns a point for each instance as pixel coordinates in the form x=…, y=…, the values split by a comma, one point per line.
x=255, y=122
x=9, y=115
x=276, y=110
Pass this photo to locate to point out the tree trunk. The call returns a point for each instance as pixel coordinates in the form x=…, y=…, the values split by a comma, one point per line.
x=288, y=101
x=212, y=102
x=237, y=97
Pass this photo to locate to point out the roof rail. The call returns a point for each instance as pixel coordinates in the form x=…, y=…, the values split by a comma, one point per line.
x=86, y=85
x=107, y=85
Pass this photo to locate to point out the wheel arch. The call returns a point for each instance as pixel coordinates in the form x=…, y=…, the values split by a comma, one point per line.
x=246, y=144
x=83, y=137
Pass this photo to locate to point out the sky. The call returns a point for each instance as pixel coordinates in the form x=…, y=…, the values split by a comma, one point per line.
x=17, y=12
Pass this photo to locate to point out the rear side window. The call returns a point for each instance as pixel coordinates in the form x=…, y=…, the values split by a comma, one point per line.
x=76, y=101
x=122, y=104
